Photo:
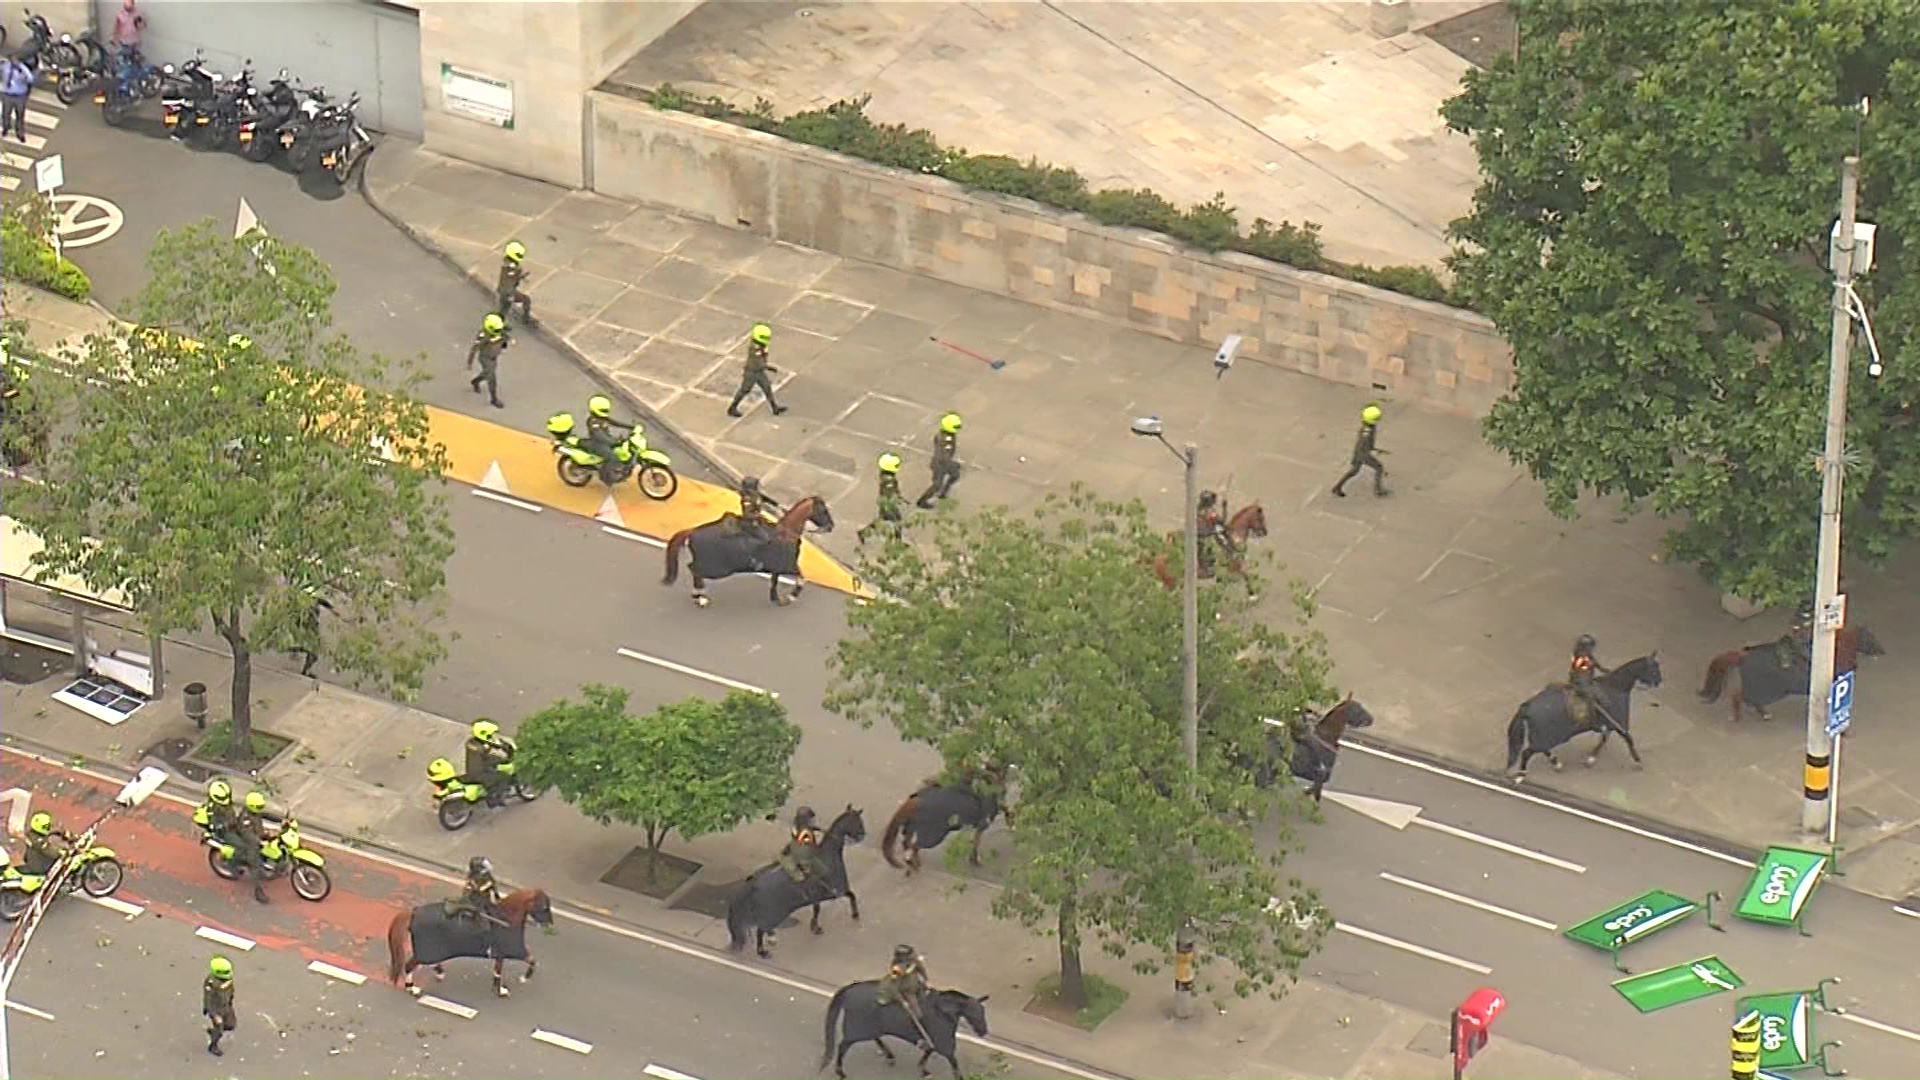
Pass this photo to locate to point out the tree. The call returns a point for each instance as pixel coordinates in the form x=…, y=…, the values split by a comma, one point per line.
x=1045, y=644
x=693, y=767
x=1650, y=234
x=215, y=481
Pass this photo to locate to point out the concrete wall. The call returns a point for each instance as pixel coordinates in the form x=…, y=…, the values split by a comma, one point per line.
x=553, y=53
x=1337, y=330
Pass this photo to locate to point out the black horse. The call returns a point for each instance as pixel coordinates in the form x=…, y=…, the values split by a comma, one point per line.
x=769, y=894
x=928, y=815
x=866, y=1020
x=1549, y=718
x=722, y=550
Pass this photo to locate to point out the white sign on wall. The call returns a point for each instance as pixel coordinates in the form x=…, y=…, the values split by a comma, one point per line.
x=476, y=96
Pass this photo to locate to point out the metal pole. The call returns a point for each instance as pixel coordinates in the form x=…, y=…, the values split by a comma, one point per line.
x=1189, y=703
x=1816, y=807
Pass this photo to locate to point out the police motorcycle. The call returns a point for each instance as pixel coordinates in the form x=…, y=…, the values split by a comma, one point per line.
x=87, y=867
x=281, y=855
x=578, y=465
x=458, y=798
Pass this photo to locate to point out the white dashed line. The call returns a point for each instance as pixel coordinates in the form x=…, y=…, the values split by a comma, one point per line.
x=518, y=504
x=667, y=1074
x=633, y=536
x=1496, y=909
x=29, y=1010
x=452, y=1007
x=1908, y=912
x=114, y=903
x=1408, y=946
x=561, y=1041
x=320, y=967
x=696, y=673
x=1876, y=1025
x=1501, y=845
x=232, y=941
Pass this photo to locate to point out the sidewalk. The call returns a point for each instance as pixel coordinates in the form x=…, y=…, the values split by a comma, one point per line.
x=359, y=773
x=1444, y=605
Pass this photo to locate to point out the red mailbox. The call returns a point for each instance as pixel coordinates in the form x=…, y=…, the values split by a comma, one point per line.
x=1472, y=1024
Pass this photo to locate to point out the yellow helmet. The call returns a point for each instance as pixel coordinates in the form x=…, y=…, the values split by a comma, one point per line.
x=493, y=324
x=889, y=462
x=950, y=423
x=516, y=251
x=219, y=791
x=1370, y=414
x=485, y=729
x=440, y=770
x=560, y=424
x=761, y=333
x=256, y=801
x=600, y=405
x=220, y=967
x=40, y=824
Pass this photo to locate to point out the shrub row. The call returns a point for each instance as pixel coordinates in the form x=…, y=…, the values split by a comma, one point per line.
x=26, y=255
x=845, y=128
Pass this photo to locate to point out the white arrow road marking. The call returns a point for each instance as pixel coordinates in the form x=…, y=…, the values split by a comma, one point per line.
x=29, y=1010
x=1435, y=890
x=695, y=672
x=1876, y=1025
x=1408, y=946
x=1398, y=815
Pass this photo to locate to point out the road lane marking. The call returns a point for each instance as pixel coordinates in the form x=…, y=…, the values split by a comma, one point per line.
x=1508, y=791
x=1501, y=845
x=232, y=941
x=666, y=1074
x=453, y=1008
x=1907, y=911
x=1876, y=1025
x=321, y=967
x=1408, y=946
x=696, y=673
x=114, y=903
x=1469, y=901
x=561, y=1041
x=634, y=536
x=519, y=504
x=29, y=1010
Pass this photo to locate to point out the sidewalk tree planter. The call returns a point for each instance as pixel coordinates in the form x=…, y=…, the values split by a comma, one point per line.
x=693, y=767
x=1655, y=249
x=1042, y=643
x=218, y=465
x=27, y=254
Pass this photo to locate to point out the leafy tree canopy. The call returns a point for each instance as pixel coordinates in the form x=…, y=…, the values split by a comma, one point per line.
x=1659, y=183
x=1045, y=644
x=211, y=480
x=693, y=767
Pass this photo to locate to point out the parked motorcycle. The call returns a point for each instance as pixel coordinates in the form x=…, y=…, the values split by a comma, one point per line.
x=259, y=133
x=92, y=869
x=578, y=465
x=42, y=51
x=134, y=80
x=71, y=82
x=339, y=140
x=281, y=853
x=188, y=90
x=458, y=799
x=216, y=124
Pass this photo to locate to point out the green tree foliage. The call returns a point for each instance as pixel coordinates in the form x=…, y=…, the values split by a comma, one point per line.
x=693, y=767
x=212, y=482
x=1045, y=644
x=1651, y=232
x=27, y=254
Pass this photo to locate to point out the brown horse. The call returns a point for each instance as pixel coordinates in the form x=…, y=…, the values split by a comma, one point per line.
x=928, y=815
x=1316, y=742
x=719, y=550
x=1779, y=669
x=1249, y=523
x=428, y=935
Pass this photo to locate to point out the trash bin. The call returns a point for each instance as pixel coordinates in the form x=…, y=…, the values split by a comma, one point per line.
x=196, y=699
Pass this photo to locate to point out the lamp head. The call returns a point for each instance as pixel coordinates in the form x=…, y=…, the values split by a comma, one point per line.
x=1149, y=426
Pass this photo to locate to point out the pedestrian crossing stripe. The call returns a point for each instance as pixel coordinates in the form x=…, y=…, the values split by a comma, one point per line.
x=36, y=118
x=15, y=161
x=9, y=183
x=34, y=142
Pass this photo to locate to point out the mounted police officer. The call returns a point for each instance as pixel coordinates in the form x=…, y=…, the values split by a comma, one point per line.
x=476, y=901
x=754, y=505
x=801, y=857
x=1582, y=670
x=1211, y=531
x=906, y=983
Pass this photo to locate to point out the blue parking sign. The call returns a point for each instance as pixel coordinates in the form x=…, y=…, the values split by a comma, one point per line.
x=1840, y=704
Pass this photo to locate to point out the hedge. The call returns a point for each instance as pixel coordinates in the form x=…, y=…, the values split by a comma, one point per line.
x=845, y=128
x=25, y=254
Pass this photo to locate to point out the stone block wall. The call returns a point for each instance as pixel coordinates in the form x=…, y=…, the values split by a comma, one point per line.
x=1410, y=349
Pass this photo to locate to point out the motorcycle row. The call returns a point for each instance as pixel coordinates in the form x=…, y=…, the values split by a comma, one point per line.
x=202, y=106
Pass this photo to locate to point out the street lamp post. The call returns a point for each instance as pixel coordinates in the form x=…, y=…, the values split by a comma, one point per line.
x=1151, y=427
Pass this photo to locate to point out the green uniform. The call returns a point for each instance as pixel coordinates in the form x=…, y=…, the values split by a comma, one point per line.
x=507, y=292
x=216, y=1004
x=1364, y=456
x=485, y=351
x=887, y=513
x=755, y=373
x=946, y=468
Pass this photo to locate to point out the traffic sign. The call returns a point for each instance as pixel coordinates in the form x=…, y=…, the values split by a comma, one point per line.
x=1840, y=704
x=1678, y=984
x=48, y=174
x=1781, y=885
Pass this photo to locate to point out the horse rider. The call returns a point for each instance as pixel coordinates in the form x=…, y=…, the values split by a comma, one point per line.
x=480, y=894
x=1796, y=645
x=801, y=857
x=754, y=505
x=1582, y=670
x=486, y=753
x=906, y=982
x=1211, y=530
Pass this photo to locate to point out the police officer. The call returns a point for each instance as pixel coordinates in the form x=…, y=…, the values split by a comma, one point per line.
x=801, y=857
x=1582, y=669
x=488, y=344
x=249, y=832
x=507, y=294
x=481, y=893
x=756, y=371
x=1212, y=531
x=218, y=814
x=216, y=1003
x=906, y=982
x=887, y=513
x=604, y=433
x=754, y=505
x=1365, y=453
x=946, y=461
x=45, y=845
x=486, y=752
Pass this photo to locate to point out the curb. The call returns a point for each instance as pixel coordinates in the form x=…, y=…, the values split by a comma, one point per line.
x=587, y=367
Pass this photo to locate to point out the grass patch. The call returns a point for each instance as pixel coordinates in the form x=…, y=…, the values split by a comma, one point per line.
x=218, y=746
x=1103, y=999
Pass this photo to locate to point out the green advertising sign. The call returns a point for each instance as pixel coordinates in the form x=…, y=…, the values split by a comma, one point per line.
x=1636, y=920
x=1679, y=984
x=1787, y=1036
x=1782, y=884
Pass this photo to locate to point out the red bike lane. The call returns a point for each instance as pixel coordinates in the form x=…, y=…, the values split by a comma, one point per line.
x=167, y=873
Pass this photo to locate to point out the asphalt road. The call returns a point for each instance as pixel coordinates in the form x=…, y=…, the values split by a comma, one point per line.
x=394, y=298
x=122, y=987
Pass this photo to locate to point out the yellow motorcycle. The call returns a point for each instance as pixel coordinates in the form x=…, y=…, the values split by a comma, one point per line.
x=90, y=869
x=457, y=798
x=281, y=854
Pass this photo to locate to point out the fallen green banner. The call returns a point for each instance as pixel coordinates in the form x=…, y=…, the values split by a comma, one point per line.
x=1782, y=885
x=1679, y=984
x=1636, y=920
x=1787, y=1028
